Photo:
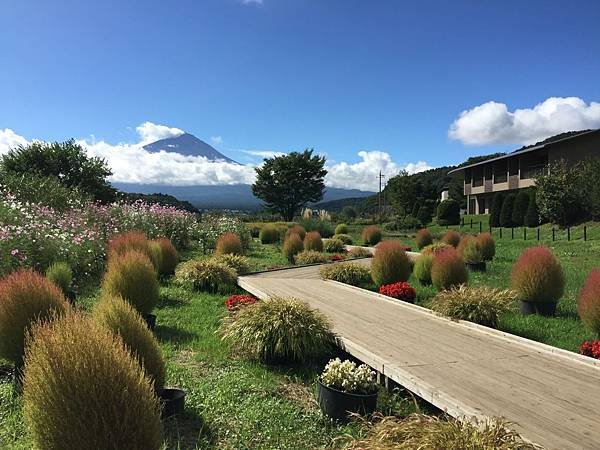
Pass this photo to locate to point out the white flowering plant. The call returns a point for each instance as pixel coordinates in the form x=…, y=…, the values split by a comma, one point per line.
x=345, y=376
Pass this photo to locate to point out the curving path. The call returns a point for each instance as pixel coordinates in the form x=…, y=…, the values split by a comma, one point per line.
x=550, y=395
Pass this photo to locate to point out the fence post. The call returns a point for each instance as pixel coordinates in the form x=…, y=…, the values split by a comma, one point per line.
x=584, y=233
x=471, y=226
x=480, y=225
x=568, y=233
x=538, y=233
x=524, y=233
x=512, y=232
x=553, y=230
x=500, y=232
x=462, y=222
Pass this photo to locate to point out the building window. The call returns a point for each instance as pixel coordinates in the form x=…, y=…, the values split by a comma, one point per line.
x=501, y=172
x=477, y=176
x=533, y=165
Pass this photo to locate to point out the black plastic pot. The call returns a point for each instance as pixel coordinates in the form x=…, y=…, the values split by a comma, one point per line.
x=173, y=400
x=338, y=405
x=476, y=267
x=425, y=282
x=547, y=309
x=150, y=321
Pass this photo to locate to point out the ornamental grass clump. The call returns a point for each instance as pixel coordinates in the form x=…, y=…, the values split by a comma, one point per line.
x=422, y=268
x=451, y=237
x=488, y=246
x=345, y=376
x=349, y=273
x=482, y=305
x=119, y=317
x=25, y=298
x=360, y=252
x=296, y=229
x=239, y=263
x=60, y=274
x=423, y=238
x=269, y=234
x=279, y=330
x=390, y=263
x=83, y=389
x=341, y=228
x=345, y=238
x=470, y=249
x=169, y=256
x=310, y=257
x=313, y=241
x=448, y=269
x=537, y=276
x=292, y=246
x=371, y=235
x=206, y=275
x=435, y=248
x=228, y=244
x=334, y=245
x=588, y=303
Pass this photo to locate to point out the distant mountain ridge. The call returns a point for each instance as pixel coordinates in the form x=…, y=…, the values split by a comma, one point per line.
x=188, y=145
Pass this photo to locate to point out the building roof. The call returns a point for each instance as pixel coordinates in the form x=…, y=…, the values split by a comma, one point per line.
x=544, y=144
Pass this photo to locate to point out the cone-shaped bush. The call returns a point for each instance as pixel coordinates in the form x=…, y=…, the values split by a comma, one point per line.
x=122, y=243
x=390, y=263
x=342, y=228
x=313, y=241
x=292, y=246
x=169, y=257
x=537, y=276
x=448, y=269
x=296, y=229
x=132, y=277
x=279, y=330
x=520, y=208
x=588, y=304
x=532, y=218
x=83, y=390
x=371, y=235
x=269, y=234
x=206, y=275
x=423, y=238
x=507, y=210
x=488, y=246
x=60, y=274
x=228, y=244
x=496, y=209
x=422, y=269
x=120, y=318
x=451, y=237
x=25, y=298
x=470, y=250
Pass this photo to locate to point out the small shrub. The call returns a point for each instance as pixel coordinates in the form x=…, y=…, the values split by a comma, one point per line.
x=371, y=235
x=360, y=252
x=346, y=377
x=345, y=238
x=132, y=277
x=435, y=248
x=333, y=245
x=239, y=263
x=349, y=273
x=234, y=302
x=292, y=246
x=169, y=256
x=488, y=246
x=448, y=269
x=269, y=234
x=470, y=250
x=424, y=214
x=507, y=210
x=119, y=317
x=82, y=389
x=590, y=348
x=537, y=276
x=206, y=275
x=310, y=257
x=296, y=229
x=422, y=269
x=451, y=237
x=482, y=305
x=423, y=238
x=401, y=291
x=448, y=212
x=324, y=227
x=122, y=243
x=588, y=303
x=228, y=244
x=25, y=297
x=279, y=330
x=390, y=263
x=313, y=241
x=410, y=223
x=60, y=274
x=342, y=228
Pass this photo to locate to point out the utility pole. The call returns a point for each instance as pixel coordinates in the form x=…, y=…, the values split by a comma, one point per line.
x=381, y=176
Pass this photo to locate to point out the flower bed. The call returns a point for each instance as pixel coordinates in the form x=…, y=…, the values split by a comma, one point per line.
x=235, y=302
x=401, y=291
x=590, y=348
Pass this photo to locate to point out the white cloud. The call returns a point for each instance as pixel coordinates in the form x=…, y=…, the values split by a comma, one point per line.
x=152, y=132
x=9, y=139
x=263, y=153
x=216, y=140
x=492, y=122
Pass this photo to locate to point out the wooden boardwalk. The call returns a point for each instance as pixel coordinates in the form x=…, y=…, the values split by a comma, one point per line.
x=551, y=396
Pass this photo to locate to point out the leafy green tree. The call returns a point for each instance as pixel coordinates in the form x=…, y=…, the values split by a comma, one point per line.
x=590, y=176
x=507, y=210
x=520, y=208
x=425, y=214
x=448, y=212
x=402, y=192
x=349, y=213
x=532, y=218
x=415, y=209
x=65, y=161
x=496, y=209
x=288, y=183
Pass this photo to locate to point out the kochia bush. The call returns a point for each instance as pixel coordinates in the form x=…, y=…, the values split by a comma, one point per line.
x=228, y=244
x=588, y=304
x=470, y=249
x=423, y=238
x=537, y=276
x=169, y=256
x=60, y=273
x=292, y=246
x=448, y=269
x=390, y=263
x=269, y=234
x=488, y=246
x=342, y=228
x=371, y=235
x=422, y=269
x=313, y=241
x=120, y=244
x=451, y=237
x=296, y=229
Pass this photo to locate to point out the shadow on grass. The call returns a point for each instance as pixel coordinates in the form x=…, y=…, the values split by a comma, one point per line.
x=173, y=334
x=188, y=432
x=171, y=301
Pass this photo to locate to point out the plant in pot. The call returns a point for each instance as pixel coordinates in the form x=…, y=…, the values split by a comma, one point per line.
x=538, y=280
x=344, y=388
x=472, y=252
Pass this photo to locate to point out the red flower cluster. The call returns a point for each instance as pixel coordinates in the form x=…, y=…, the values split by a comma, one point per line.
x=337, y=257
x=235, y=302
x=590, y=348
x=400, y=290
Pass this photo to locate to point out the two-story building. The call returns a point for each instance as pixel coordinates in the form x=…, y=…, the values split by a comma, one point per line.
x=518, y=169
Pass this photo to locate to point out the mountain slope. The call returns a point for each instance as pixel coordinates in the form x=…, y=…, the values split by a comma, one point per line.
x=188, y=145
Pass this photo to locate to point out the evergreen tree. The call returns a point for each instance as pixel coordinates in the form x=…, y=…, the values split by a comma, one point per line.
x=520, y=208
x=496, y=209
x=425, y=214
x=415, y=209
x=532, y=218
x=507, y=210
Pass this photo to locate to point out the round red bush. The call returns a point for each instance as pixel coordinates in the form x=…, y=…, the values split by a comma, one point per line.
x=390, y=263
x=537, y=276
x=401, y=290
x=235, y=302
x=371, y=235
x=448, y=269
x=296, y=229
x=487, y=245
x=313, y=241
x=588, y=303
x=423, y=238
x=451, y=237
x=228, y=244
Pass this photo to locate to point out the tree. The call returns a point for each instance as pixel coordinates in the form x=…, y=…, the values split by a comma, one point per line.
x=532, y=218
x=402, y=192
x=448, y=212
x=425, y=214
x=507, y=210
x=415, y=209
x=288, y=183
x=65, y=161
x=349, y=213
x=496, y=208
x=520, y=208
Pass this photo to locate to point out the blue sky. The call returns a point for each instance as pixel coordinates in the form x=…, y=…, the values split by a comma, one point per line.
x=281, y=75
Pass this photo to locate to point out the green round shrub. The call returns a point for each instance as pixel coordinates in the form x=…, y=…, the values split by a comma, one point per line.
x=341, y=228
x=345, y=238
x=390, y=263
x=422, y=269
x=228, y=244
x=349, y=273
x=296, y=229
x=292, y=246
x=169, y=258
x=83, y=390
x=470, y=250
x=333, y=245
x=423, y=238
x=278, y=330
x=313, y=241
x=448, y=269
x=537, y=276
x=206, y=275
x=451, y=237
x=269, y=234
x=239, y=263
x=132, y=277
x=60, y=274
x=448, y=212
x=25, y=297
x=120, y=318
x=371, y=235
x=310, y=257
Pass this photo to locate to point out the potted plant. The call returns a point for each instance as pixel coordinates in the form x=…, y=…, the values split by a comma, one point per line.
x=344, y=388
x=471, y=251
